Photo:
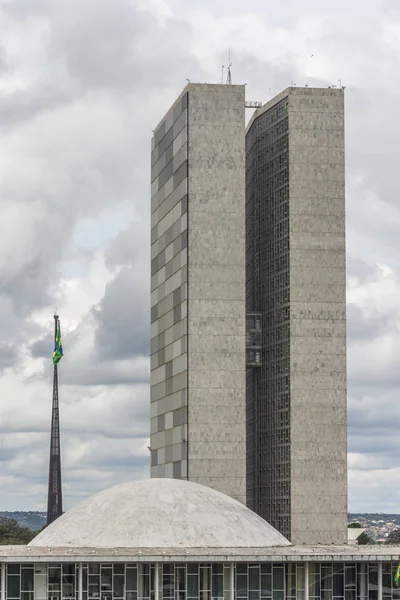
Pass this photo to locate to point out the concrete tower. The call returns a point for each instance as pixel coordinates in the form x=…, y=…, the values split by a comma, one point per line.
x=296, y=306
x=198, y=290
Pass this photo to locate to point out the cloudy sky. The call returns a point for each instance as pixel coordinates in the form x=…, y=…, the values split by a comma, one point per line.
x=82, y=84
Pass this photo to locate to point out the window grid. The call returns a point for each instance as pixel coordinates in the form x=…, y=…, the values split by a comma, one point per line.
x=204, y=581
x=267, y=293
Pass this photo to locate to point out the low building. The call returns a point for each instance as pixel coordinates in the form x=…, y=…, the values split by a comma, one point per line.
x=353, y=533
x=176, y=540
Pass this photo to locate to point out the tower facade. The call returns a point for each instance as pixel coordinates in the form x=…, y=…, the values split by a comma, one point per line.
x=296, y=315
x=198, y=290
x=54, y=499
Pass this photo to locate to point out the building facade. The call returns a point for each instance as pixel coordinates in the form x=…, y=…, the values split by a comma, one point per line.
x=170, y=539
x=92, y=577
x=296, y=313
x=198, y=290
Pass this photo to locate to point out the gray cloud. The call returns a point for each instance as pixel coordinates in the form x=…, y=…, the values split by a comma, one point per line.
x=362, y=271
x=119, y=48
x=43, y=348
x=362, y=327
x=123, y=318
x=8, y=355
x=23, y=11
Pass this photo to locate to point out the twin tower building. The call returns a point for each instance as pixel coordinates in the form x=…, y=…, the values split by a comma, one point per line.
x=248, y=315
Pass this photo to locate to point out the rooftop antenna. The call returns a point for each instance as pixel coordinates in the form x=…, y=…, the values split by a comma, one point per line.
x=222, y=75
x=229, y=77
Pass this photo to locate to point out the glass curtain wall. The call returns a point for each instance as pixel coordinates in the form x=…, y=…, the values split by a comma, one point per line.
x=200, y=581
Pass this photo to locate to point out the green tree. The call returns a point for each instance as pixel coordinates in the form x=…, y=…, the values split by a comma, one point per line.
x=393, y=537
x=364, y=540
x=11, y=533
x=354, y=526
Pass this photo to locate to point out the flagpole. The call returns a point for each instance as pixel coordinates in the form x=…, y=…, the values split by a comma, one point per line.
x=54, y=499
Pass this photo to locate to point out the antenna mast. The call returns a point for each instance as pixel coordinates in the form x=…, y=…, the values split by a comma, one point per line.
x=54, y=500
x=229, y=76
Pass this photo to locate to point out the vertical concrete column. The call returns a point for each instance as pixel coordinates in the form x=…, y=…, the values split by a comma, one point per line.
x=306, y=581
x=379, y=581
x=3, y=581
x=156, y=580
x=80, y=581
x=232, y=581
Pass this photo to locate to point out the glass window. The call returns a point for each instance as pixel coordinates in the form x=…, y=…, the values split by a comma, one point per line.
x=131, y=579
x=94, y=586
x=387, y=580
x=362, y=581
x=314, y=574
x=300, y=577
x=291, y=580
x=241, y=586
x=119, y=586
x=13, y=586
x=106, y=579
x=338, y=583
x=193, y=586
x=350, y=576
x=277, y=579
x=168, y=587
x=326, y=577
x=68, y=568
x=205, y=582
x=180, y=582
x=54, y=577
x=373, y=582
x=144, y=585
x=266, y=587
x=27, y=580
x=217, y=581
x=119, y=568
x=254, y=577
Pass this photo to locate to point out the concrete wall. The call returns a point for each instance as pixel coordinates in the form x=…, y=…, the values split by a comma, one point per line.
x=317, y=317
x=216, y=288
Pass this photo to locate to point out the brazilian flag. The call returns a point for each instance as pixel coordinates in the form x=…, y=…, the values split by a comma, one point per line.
x=58, y=349
x=397, y=576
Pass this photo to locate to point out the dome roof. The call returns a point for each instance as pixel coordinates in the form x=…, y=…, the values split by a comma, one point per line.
x=160, y=513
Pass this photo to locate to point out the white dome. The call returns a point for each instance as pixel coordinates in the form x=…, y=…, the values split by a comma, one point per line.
x=160, y=513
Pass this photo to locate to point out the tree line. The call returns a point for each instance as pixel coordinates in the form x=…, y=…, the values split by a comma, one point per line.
x=14, y=534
